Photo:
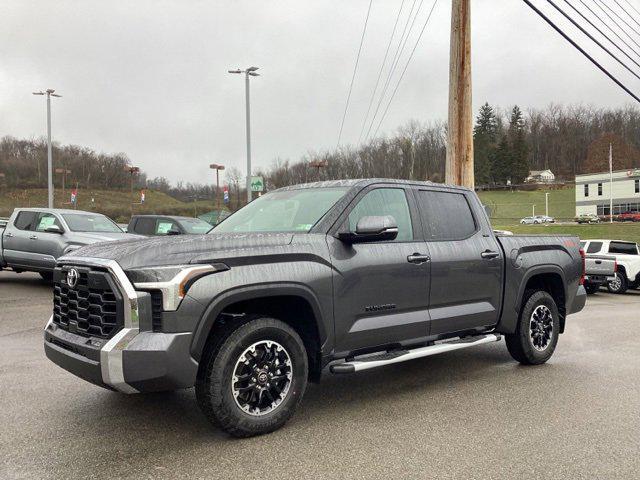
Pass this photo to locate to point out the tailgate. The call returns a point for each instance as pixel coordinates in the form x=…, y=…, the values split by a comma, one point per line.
x=600, y=265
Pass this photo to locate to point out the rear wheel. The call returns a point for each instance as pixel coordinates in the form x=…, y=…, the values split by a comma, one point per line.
x=536, y=335
x=618, y=284
x=254, y=381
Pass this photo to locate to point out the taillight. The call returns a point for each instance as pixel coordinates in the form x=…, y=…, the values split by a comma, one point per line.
x=584, y=266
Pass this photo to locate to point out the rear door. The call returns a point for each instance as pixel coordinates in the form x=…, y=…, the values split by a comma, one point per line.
x=16, y=239
x=466, y=261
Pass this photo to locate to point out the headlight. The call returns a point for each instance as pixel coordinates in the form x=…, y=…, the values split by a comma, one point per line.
x=173, y=281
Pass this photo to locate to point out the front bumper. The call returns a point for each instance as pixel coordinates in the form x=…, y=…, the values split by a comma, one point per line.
x=132, y=360
x=143, y=362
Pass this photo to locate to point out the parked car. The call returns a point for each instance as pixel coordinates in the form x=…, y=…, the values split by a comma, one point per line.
x=629, y=217
x=151, y=225
x=599, y=270
x=546, y=219
x=34, y=238
x=530, y=221
x=352, y=275
x=627, y=256
x=587, y=218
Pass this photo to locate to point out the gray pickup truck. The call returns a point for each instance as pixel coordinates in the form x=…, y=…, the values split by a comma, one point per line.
x=33, y=238
x=349, y=275
x=599, y=270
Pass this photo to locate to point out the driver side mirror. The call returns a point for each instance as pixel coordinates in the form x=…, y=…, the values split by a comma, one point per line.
x=54, y=229
x=174, y=231
x=372, y=229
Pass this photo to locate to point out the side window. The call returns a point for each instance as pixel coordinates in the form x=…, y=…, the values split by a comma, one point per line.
x=46, y=220
x=599, y=189
x=163, y=226
x=145, y=226
x=586, y=189
x=623, y=248
x=445, y=215
x=385, y=201
x=25, y=220
x=594, y=247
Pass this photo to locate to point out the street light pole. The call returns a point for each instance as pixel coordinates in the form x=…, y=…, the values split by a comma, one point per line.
x=249, y=72
x=217, y=168
x=546, y=204
x=49, y=93
x=132, y=170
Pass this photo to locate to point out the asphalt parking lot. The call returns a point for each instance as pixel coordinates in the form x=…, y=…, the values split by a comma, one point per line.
x=468, y=414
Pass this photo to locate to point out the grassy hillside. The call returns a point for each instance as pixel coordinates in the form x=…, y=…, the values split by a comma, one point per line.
x=510, y=207
x=617, y=231
x=114, y=203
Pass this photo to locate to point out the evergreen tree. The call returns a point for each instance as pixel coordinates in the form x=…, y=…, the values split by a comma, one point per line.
x=501, y=162
x=518, y=146
x=485, y=134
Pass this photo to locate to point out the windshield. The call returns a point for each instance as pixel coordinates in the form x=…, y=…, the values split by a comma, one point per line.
x=286, y=211
x=195, y=226
x=90, y=223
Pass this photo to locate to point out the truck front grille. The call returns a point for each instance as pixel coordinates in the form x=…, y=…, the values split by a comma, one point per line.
x=93, y=307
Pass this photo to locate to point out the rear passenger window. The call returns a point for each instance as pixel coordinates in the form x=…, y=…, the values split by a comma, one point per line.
x=445, y=215
x=594, y=247
x=25, y=220
x=145, y=226
x=623, y=248
x=385, y=201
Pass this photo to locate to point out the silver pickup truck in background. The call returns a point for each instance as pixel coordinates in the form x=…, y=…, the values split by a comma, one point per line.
x=33, y=238
x=599, y=270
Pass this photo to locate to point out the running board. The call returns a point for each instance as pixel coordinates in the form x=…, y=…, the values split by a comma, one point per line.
x=397, y=356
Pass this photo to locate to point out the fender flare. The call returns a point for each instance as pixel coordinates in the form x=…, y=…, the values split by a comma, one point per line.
x=226, y=298
x=539, y=270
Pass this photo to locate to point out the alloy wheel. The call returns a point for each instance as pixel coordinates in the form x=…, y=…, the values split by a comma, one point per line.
x=541, y=327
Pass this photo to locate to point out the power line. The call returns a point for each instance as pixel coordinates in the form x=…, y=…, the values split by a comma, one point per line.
x=622, y=19
x=625, y=11
x=577, y=25
x=614, y=21
x=386, y=53
x=355, y=68
x=602, y=33
x=405, y=67
x=609, y=27
x=391, y=69
x=581, y=50
x=634, y=8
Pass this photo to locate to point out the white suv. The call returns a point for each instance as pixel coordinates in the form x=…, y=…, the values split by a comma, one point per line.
x=627, y=255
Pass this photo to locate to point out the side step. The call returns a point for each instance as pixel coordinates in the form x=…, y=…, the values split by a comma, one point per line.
x=397, y=356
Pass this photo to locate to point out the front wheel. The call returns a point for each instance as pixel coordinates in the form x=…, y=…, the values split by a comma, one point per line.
x=618, y=284
x=536, y=335
x=254, y=381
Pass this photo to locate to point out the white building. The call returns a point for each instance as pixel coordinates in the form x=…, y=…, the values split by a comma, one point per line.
x=540, y=176
x=592, y=192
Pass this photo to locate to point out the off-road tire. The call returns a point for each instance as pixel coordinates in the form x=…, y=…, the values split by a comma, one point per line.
x=215, y=377
x=624, y=285
x=520, y=344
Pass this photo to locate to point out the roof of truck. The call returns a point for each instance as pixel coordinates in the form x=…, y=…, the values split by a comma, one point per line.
x=364, y=182
x=55, y=210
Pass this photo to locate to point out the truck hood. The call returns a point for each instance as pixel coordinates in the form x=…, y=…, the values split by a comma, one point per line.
x=185, y=249
x=90, y=237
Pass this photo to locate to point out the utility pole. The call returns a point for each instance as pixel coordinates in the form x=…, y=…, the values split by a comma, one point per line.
x=217, y=168
x=49, y=93
x=132, y=171
x=318, y=164
x=249, y=72
x=610, y=183
x=459, y=164
x=546, y=204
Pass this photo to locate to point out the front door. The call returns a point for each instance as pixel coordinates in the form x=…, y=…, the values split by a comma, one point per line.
x=380, y=288
x=466, y=261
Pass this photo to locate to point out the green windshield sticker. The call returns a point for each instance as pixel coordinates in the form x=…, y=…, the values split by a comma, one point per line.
x=163, y=228
x=46, y=222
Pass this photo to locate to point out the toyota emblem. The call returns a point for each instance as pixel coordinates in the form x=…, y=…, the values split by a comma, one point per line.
x=72, y=277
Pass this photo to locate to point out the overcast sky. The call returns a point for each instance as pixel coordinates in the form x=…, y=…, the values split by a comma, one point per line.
x=149, y=78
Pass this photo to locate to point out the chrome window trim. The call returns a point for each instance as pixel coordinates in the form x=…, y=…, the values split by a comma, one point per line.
x=111, y=362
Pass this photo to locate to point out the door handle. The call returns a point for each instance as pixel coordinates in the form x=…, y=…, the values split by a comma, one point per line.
x=33, y=237
x=8, y=234
x=489, y=254
x=418, y=258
